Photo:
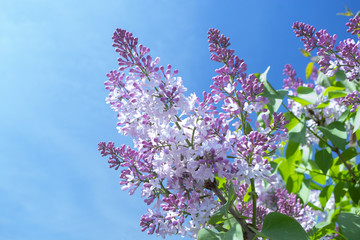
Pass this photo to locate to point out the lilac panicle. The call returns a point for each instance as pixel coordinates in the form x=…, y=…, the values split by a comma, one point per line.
x=218, y=46
x=344, y=57
x=353, y=100
x=278, y=199
x=348, y=58
x=290, y=205
x=132, y=54
x=291, y=82
x=231, y=77
x=354, y=25
x=305, y=31
x=314, y=73
x=137, y=168
x=182, y=143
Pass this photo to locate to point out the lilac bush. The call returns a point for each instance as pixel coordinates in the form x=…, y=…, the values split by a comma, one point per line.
x=203, y=164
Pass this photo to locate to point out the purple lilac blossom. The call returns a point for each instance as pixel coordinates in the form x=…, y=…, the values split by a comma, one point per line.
x=275, y=198
x=314, y=116
x=305, y=31
x=314, y=74
x=345, y=56
x=289, y=204
x=353, y=100
x=354, y=25
x=181, y=143
x=291, y=82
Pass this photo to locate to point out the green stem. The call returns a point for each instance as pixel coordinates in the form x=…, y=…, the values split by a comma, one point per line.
x=254, y=198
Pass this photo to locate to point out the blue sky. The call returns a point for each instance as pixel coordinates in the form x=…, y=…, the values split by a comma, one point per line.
x=54, y=56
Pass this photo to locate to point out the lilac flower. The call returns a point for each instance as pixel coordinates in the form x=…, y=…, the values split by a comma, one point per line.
x=314, y=73
x=305, y=31
x=344, y=57
x=280, y=200
x=291, y=82
x=290, y=205
x=182, y=143
x=354, y=25
x=349, y=58
x=218, y=46
x=138, y=168
x=352, y=99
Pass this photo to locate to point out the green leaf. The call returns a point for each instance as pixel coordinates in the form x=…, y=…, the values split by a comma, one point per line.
x=322, y=229
x=350, y=225
x=318, y=178
x=339, y=192
x=207, y=234
x=324, y=159
x=247, y=196
x=354, y=192
x=309, y=69
x=348, y=12
x=305, y=53
x=278, y=226
x=263, y=76
x=306, y=153
x=323, y=105
x=216, y=218
x=314, y=207
x=349, y=153
x=303, y=102
x=234, y=233
x=337, y=94
x=221, y=182
x=323, y=80
x=325, y=195
x=344, y=116
x=219, y=216
x=307, y=94
x=304, y=192
x=336, y=133
x=286, y=168
x=341, y=76
x=316, y=174
x=274, y=167
x=357, y=121
x=297, y=134
x=248, y=128
x=231, y=196
x=294, y=181
x=292, y=121
x=275, y=97
x=333, y=89
x=291, y=149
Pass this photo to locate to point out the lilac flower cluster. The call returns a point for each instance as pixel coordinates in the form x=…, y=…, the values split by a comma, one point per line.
x=345, y=56
x=353, y=100
x=291, y=82
x=354, y=25
x=275, y=198
x=183, y=143
x=314, y=116
x=289, y=204
x=305, y=31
